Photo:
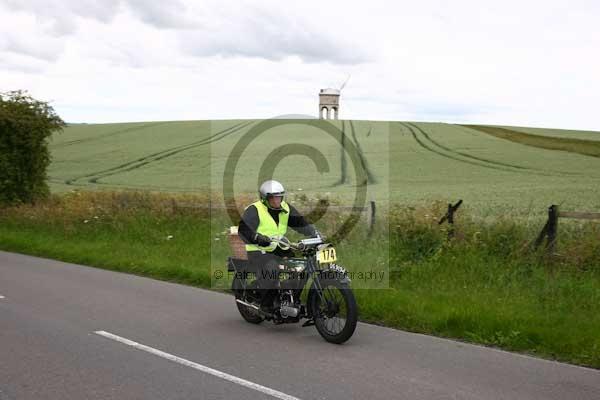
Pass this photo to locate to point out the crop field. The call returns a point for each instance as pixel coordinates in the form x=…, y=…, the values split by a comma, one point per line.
x=404, y=162
x=560, y=133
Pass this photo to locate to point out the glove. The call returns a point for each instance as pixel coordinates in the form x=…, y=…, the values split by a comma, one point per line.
x=262, y=240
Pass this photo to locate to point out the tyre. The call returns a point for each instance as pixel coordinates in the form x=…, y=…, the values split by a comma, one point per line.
x=336, y=316
x=248, y=313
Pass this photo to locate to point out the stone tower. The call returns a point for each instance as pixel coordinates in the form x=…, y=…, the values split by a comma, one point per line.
x=329, y=103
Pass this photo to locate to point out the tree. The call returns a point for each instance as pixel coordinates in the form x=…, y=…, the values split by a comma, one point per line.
x=25, y=126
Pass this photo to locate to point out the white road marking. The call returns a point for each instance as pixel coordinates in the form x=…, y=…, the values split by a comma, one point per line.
x=2, y=297
x=199, y=367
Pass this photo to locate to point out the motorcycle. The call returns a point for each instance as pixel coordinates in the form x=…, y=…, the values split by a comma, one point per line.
x=330, y=304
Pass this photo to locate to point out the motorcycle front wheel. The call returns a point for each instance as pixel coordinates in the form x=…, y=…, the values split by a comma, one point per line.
x=336, y=315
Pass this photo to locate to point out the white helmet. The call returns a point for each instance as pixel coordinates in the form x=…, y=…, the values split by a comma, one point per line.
x=270, y=188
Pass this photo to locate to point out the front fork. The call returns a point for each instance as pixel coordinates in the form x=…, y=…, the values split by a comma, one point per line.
x=316, y=288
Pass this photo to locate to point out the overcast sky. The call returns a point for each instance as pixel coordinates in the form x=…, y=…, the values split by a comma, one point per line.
x=531, y=63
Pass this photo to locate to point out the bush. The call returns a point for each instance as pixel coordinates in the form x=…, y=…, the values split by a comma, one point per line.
x=25, y=125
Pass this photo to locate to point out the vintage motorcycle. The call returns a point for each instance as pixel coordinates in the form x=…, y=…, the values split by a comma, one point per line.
x=330, y=304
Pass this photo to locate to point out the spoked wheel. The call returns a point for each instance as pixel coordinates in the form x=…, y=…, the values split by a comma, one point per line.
x=335, y=316
x=248, y=313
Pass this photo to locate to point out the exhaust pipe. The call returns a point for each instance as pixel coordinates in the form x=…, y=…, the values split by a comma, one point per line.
x=286, y=311
x=248, y=304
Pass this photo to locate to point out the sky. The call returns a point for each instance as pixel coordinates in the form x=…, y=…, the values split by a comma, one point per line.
x=522, y=63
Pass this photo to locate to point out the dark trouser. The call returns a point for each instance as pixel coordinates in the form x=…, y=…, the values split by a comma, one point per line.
x=267, y=275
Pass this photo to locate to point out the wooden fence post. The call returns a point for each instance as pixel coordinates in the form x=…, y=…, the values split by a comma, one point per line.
x=450, y=217
x=552, y=228
x=549, y=231
x=371, y=216
x=450, y=221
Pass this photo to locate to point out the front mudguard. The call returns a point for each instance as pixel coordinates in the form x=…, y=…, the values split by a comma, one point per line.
x=334, y=272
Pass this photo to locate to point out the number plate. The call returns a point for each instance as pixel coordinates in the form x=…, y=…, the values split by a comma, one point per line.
x=327, y=255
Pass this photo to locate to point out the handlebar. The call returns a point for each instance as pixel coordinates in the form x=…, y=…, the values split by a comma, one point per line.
x=285, y=244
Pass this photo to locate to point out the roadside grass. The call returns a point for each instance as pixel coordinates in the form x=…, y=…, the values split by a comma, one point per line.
x=125, y=232
x=480, y=299
x=579, y=146
x=484, y=286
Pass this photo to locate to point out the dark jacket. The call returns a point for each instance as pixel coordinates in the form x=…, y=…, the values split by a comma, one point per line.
x=249, y=223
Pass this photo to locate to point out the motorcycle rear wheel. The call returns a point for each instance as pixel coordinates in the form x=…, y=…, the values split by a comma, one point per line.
x=248, y=313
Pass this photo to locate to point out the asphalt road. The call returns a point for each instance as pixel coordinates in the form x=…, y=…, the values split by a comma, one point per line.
x=60, y=324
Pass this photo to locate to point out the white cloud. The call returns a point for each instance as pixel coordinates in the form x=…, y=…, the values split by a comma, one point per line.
x=59, y=15
x=20, y=64
x=22, y=35
x=163, y=14
x=272, y=34
x=517, y=63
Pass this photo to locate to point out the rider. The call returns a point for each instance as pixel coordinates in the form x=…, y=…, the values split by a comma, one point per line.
x=270, y=216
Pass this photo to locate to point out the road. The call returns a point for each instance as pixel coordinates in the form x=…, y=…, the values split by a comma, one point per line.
x=74, y=332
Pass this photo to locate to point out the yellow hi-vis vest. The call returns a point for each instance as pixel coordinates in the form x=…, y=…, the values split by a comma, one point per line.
x=267, y=225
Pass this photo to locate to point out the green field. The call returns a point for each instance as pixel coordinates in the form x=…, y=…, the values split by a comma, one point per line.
x=560, y=133
x=408, y=163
